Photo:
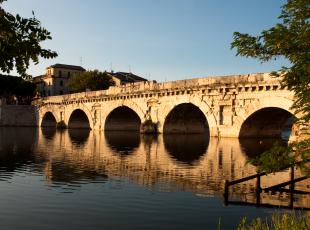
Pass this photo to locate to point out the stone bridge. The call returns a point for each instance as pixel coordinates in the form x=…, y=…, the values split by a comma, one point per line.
x=252, y=105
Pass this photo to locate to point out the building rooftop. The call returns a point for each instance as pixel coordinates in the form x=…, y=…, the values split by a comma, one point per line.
x=37, y=79
x=64, y=66
x=127, y=77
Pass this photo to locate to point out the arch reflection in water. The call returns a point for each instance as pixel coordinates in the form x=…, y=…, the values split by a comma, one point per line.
x=186, y=148
x=154, y=164
x=48, y=132
x=78, y=136
x=70, y=163
x=72, y=174
x=123, y=143
x=253, y=147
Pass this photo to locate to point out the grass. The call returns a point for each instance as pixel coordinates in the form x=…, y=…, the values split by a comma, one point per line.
x=278, y=221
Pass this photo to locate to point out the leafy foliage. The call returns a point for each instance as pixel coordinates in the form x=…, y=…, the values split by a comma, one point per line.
x=279, y=157
x=90, y=80
x=16, y=86
x=20, y=42
x=289, y=39
x=274, y=159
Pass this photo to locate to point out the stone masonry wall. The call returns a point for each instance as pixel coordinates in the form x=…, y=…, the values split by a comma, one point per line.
x=17, y=115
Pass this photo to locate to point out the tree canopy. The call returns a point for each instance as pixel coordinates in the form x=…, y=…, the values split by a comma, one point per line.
x=20, y=42
x=90, y=80
x=290, y=39
x=12, y=86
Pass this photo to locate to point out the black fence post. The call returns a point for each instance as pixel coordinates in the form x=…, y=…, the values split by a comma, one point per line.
x=258, y=189
x=226, y=192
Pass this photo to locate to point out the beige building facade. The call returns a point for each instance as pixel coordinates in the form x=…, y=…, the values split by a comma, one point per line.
x=54, y=82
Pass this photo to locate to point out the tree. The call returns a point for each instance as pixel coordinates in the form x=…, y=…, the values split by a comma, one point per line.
x=90, y=80
x=20, y=42
x=289, y=39
x=16, y=87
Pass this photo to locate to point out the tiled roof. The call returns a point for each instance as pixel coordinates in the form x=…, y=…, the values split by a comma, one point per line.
x=75, y=67
x=127, y=77
x=37, y=79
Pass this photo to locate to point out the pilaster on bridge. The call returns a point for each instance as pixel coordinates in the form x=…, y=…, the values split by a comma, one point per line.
x=251, y=105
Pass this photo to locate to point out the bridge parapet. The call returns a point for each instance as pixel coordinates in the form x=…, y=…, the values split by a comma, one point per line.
x=237, y=83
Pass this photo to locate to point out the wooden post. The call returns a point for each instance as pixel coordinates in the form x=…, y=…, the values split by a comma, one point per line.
x=258, y=190
x=292, y=187
x=226, y=192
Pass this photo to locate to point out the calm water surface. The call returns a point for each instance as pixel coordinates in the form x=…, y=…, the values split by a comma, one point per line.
x=81, y=179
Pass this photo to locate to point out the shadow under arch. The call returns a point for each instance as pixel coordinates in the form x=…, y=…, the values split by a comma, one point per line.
x=186, y=118
x=78, y=120
x=186, y=148
x=269, y=122
x=48, y=120
x=122, y=119
x=123, y=143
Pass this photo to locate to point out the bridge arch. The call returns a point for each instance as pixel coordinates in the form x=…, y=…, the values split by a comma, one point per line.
x=186, y=118
x=117, y=113
x=266, y=118
x=201, y=107
x=48, y=120
x=267, y=122
x=122, y=118
x=79, y=119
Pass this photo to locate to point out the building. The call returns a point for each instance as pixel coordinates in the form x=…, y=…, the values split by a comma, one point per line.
x=55, y=80
x=121, y=78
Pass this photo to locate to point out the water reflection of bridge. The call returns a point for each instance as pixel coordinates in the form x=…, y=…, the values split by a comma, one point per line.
x=167, y=163
x=171, y=162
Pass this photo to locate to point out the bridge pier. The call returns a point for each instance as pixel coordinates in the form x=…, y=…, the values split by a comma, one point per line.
x=149, y=127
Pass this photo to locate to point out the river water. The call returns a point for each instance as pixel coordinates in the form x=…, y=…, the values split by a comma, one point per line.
x=78, y=179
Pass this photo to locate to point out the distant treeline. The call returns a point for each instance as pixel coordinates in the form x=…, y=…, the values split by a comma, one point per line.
x=16, y=90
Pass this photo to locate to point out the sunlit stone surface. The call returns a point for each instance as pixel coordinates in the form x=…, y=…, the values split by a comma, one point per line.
x=250, y=105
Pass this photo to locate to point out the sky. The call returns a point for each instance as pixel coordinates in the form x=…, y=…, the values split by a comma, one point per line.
x=160, y=40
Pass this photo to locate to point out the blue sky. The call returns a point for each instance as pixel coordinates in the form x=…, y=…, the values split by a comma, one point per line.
x=160, y=40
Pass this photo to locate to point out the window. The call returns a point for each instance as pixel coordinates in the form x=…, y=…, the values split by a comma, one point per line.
x=59, y=73
x=61, y=83
x=69, y=74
